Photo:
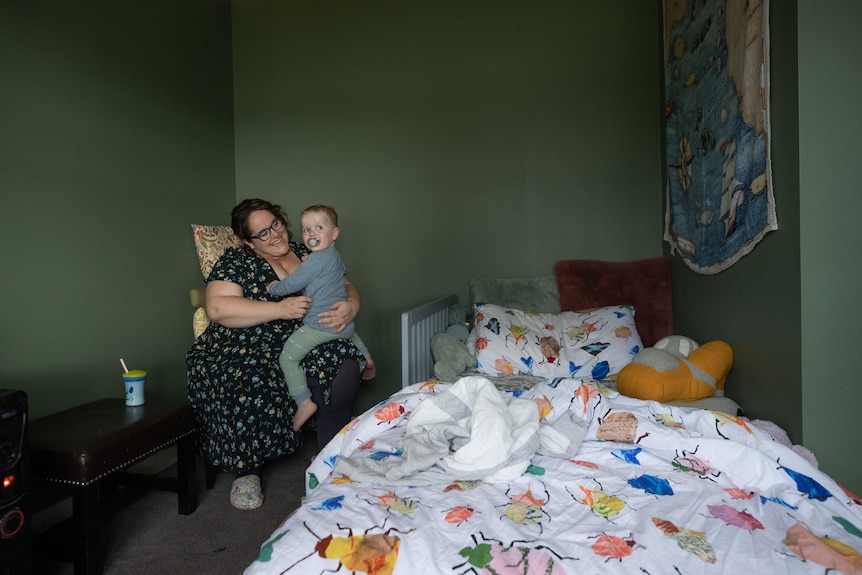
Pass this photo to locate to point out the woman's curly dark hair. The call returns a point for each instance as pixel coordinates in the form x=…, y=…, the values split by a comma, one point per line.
x=239, y=216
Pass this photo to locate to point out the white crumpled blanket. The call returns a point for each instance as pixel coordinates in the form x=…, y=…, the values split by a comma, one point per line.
x=471, y=431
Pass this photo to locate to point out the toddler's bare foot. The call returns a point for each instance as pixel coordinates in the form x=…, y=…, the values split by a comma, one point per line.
x=304, y=411
x=370, y=370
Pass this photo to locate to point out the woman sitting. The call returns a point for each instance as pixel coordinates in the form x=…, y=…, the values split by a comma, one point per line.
x=235, y=384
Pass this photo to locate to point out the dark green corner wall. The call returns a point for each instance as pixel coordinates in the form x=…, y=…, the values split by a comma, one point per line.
x=456, y=139
x=116, y=133
x=830, y=176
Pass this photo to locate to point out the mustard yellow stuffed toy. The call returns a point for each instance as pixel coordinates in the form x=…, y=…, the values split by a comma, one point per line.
x=677, y=369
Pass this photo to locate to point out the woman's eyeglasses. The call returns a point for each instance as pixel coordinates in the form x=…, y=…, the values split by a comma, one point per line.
x=276, y=226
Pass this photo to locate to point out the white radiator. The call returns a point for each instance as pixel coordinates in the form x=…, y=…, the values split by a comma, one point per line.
x=418, y=325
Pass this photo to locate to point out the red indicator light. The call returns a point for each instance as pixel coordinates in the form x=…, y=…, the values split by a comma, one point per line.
x=8, y=481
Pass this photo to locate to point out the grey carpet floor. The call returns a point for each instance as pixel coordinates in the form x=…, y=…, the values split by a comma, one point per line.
x=148, y=536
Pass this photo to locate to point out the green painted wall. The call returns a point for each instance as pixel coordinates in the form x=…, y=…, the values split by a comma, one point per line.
x=117, y=133
x=456, y=139
x=830, y=120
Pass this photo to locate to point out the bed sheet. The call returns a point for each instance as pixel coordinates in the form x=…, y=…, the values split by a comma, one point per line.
x=653, y=489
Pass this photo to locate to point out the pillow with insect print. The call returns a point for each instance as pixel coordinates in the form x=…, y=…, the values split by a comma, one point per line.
x=591, y=344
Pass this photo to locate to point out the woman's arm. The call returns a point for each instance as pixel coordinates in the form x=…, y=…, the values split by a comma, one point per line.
x=226, y=305
x=341, y=313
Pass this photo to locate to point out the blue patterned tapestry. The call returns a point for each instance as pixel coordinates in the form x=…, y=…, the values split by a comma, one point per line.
x=719, y=198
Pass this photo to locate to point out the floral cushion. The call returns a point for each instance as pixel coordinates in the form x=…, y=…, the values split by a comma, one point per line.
x=200, y=321
x=211, y=242
x=589, y=344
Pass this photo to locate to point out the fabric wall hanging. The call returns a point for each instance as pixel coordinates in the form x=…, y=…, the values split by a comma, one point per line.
x=719, y=197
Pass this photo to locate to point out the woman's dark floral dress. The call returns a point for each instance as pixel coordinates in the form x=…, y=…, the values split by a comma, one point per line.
x=235, y=384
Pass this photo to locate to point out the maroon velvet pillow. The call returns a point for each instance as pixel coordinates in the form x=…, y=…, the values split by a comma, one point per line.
x=644, y=284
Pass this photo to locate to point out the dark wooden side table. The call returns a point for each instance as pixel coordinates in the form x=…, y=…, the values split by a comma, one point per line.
x=85, y=445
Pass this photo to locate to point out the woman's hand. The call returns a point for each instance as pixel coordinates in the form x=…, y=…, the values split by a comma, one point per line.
x=341, y=313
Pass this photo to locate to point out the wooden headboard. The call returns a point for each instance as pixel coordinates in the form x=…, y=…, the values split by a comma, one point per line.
x=644, y=284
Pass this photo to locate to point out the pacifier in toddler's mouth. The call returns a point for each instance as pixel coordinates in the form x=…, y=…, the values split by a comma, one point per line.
x=313, y=242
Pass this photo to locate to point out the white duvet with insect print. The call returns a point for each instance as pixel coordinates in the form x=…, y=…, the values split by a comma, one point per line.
x=470, y=432
x=653, y=489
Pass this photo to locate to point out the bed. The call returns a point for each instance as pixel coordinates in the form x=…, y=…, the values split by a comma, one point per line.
x=531, y=474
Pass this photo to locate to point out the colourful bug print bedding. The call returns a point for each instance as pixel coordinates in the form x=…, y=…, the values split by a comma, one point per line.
x=653, y=489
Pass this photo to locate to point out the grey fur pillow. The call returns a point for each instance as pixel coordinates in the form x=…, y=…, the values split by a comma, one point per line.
x=539, y=294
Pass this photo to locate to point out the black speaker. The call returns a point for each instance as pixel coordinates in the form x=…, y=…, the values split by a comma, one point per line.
x=16, y=534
